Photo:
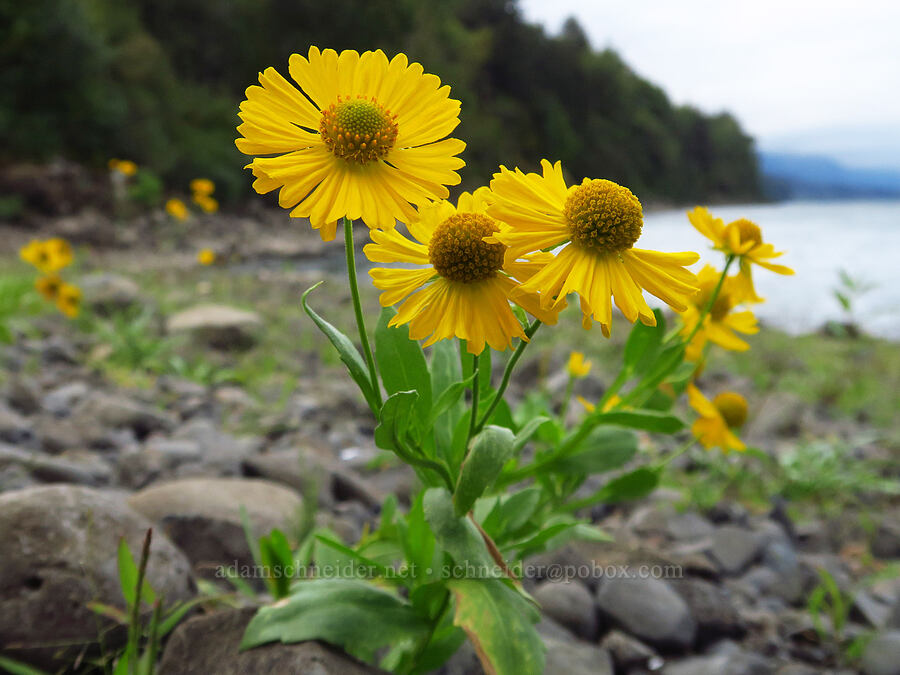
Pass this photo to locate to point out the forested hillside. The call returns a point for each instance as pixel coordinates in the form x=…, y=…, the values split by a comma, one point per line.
x=159, y=81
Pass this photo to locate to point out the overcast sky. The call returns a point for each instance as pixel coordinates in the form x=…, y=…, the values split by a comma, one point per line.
x=801, y=75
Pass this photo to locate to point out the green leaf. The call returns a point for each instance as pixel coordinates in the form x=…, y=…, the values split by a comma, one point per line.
x=511, y=513
x=417, y=538
x=489, y=452
x=276, y=557
x=499, y=622
x=445, y=371
x=633, y=485
x=351, y=614
x=458, y=536
x=603, y=450
x=401, y=362
x=18, y=668
x=447, y=399
x=527, y=431
x=346, y=350
x=643, y=344
x=648, y=420
x=128, y=576
x=395, y=419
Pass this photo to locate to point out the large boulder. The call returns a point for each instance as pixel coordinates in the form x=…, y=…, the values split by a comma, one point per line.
x=218, y=326
x=58, y=553
x=211, y=644
x=203, y=516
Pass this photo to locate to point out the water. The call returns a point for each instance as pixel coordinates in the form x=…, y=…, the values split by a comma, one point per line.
x=862, y=237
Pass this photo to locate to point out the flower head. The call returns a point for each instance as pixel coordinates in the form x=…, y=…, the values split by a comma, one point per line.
x=721, y=323
x=601, y=221
x=124, y=166
x=741, y=238
x=47, y=256
x=462, y=287
x=362, y=137
x=718, y=417
x=577, y=366
x=68, y=300
x=207, y=203
x=48, y=286
x=202, y=186
x=206, y=256
x=177, y=209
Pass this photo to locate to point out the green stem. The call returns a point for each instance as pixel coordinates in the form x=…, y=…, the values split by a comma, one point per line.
x=712, y=299
x=473, y=420
x=507, y=373
x=570, y=387
x=420, y=649
x=678, y=453
x=357, y=307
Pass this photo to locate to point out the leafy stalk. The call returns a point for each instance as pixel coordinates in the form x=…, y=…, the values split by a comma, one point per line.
x=357, y=308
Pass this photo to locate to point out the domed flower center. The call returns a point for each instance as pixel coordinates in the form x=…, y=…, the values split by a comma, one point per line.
x=458, y=250
x=720, y=307
x=358, y=130
x=733, y=408
x=748, y=230
x=604, y=216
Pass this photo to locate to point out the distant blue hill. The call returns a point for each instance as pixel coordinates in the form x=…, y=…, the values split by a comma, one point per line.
x=789, y=176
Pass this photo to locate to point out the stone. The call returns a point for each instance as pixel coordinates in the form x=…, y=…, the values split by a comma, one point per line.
x=571, y=604
x=222, y=453
x=59, y=553
x=886, y=543
x=203, y=516
x=740, y=663
x=24, y=395
x=779, y=415
x=789, y=583
x=118, y=412
x=295, y=468
x=627, y=652
x=218, y=326
x=107, y=293
x=734, y=548
x=881, y=655
x=712, y=609
x=464, y=661
x=567, y=658
x=650, y=610
x=211, y=644
x=14, y=428
x=78, y=467
x=62, y=400
x=688, y=526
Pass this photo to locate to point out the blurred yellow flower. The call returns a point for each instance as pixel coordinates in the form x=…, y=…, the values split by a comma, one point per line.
x=207, y=203
x=717, y=418
x=202, y=186
x=49, y=286
x=177, y=209
x=206, y=256
x=362, y=137
x=722, y=322
x=599, y=222
x=47, y=256
x=68, y=300
x=462, y=288
x=611, y=403
x=742, y=238
x=124, y=166
x=577, y=366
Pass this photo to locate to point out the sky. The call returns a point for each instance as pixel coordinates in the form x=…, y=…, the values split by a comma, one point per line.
x=816, y=77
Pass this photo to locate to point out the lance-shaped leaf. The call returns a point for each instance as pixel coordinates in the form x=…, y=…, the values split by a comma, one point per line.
x=396, y=421
x=458, y=536
x=401, y=362
x=604, y=449
x=648, y=420
x=489, y=452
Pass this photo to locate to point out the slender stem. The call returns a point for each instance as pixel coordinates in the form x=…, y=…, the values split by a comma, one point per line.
x=357, y=307
x=507, y=373
x=473, y=420
x=678, y=453
x=712, y=300
x=570, y=388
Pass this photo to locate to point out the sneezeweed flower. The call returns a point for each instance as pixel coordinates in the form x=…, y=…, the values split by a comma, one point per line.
x=124, y=166
x=206, y=203
x=577, y=367
x=722, y=323
x=718, y=417
x=362, y=137
x=611, y=403
x=202, y=187
x=177, y=209
x=599, y=221
x=47, y=256
x=68, y=300
x=206, y=256
x=743, y=239
x=463, y=287
x=48, y=286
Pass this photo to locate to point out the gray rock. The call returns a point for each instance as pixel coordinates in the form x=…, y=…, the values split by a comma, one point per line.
x=627, y=652
x=567, y=658
x=14, y=428
x=62, y=400
x=109, y=293
x=882, y=654
x=790, y=581
x=735, y=548
x=175, y=450
x=571, y=604
x=222, y=453
x=688, y=526
x=211, y=644
x=203, y=515
x=871, y=608
x=58, y=554
x=740, y=663
x=779, y=415
x=219, y=326
x=294, y=468
x=464, y=661
x=649, y=609
x=24, y=395
x=712, y=609
x=78, y=467
x=887, y=538
x=57, y=434
x=893, y=620
x=118, y=412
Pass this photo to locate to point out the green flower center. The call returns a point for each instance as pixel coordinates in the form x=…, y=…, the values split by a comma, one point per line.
x=358, y=130
x=458, y=250
x=733, y=408
x=603, y=216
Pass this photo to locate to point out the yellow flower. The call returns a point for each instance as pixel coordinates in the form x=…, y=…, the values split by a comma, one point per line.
x=463, y=288
x=47, y=256
x=49, y=286
x=363, y=138
x=202, y=186
x=722, y=322
x=717, y=417
x=68, y=300
x=124, y=166
x=577, y=366
x=600, y=221
x=207, y=203
x=612, y=403
x=742, y=238
x=176, y=209
x=206, y=256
